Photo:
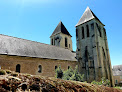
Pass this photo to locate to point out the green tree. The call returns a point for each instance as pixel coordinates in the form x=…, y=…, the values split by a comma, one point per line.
x=69, y=74
x=59, y=73
x=76, y=75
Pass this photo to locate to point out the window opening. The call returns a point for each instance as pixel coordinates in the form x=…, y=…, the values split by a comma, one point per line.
x=65, y=42
x=56, y=67
x=39, y=68
x=52, y=41
x=18, y=68
x=82, y=32
x=87, y=28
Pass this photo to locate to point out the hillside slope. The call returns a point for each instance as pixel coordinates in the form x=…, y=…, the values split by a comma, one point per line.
x=18, y=82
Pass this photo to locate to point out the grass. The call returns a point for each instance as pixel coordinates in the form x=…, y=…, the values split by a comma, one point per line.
x=118, y=87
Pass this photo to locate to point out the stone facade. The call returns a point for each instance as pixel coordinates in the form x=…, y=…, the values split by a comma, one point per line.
x=92, y=48
x=31, y=65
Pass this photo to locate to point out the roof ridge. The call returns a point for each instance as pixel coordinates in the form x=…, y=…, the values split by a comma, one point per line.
x=117, y=65
x=33, y=41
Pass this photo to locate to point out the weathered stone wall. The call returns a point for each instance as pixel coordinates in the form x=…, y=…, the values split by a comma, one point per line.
x=30, y=65
x=93, y=53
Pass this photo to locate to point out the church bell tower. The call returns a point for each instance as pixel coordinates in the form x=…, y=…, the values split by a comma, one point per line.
x=61, y=37
x=92, y=48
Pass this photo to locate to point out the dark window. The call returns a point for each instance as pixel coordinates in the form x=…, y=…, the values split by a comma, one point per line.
x=87, y=28
x=39, y=68
x=78, y=49
x=68, y=67
x=86, y=53
x=65, y=42
x=52, y=41
x=18, y=68
x=82, y=32
x=56, y=67
x=92, y=26
x=77, y=33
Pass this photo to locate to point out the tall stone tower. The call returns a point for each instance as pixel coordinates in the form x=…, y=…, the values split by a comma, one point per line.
x=61, y=37
x=92, y=48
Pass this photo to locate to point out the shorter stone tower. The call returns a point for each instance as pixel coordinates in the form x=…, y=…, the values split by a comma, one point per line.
x=92, y=48
x=61, y=37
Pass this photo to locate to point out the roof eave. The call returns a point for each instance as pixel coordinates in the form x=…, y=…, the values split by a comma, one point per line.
x=88, y=21
x=83, y=22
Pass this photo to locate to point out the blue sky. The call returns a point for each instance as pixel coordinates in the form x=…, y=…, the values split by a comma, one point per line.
x=36, y=20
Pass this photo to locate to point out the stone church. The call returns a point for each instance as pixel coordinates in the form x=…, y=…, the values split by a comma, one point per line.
x=92, y=54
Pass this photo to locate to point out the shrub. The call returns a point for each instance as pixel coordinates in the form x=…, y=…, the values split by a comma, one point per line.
x=2, y=72
x=59, y=73
x=77, y=76
x=103, y=81
x=69, y=74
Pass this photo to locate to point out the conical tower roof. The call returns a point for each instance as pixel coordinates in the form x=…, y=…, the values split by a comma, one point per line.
x=61, y=29
x=87, y=15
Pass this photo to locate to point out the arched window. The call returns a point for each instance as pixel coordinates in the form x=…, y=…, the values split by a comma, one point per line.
x=82, y=32
x=56, y=67
x=87, y=29
x=52, y=41
x=68, y=67
x=39, y=68
x=18, y=68
x=65, y=42
x=86, y=53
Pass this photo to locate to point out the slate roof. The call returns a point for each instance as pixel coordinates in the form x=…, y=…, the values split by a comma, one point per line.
x=21, y=47
x=117, y=70
x=87, y=15
x=60, y=29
